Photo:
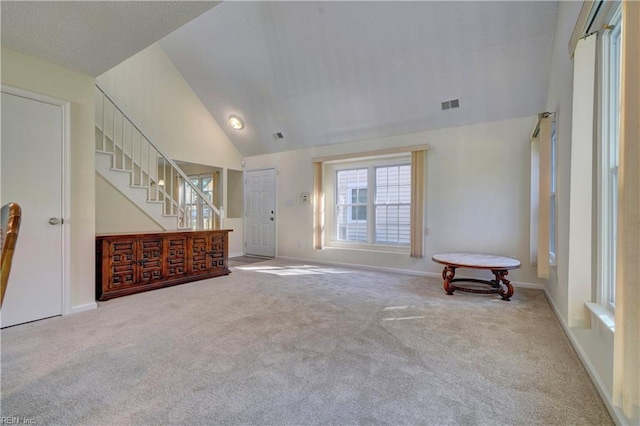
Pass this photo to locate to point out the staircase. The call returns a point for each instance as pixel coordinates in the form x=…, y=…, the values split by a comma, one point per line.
x=141, y=171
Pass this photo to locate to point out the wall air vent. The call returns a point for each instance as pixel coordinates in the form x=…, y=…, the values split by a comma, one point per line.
x=452, y=104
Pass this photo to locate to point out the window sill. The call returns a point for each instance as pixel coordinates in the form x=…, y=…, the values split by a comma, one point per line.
x=605, y=316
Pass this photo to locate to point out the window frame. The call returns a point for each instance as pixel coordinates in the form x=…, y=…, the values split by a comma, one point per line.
x=609, y=120
x=399, y=204
x=330, y=181
x=553, y=198
x=352, y=206
x=197, y=214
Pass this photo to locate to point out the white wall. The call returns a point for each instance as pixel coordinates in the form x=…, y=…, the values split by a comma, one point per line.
x=115, y=213
x=37, y=76
x=477, y=196
x=594, y=344
x=235, y=196
x=234, y=201
x=153, y=93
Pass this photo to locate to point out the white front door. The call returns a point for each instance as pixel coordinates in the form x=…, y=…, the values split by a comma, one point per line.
x=260, y=218
x=31, y=173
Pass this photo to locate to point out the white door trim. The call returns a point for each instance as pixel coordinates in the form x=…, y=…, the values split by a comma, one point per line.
x=66, y=185
x=275, y=203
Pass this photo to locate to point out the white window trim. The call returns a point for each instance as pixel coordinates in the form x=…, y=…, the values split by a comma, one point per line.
x=604, y=315
x=199, y=204
x=329, y=183
x=553, y=195
x=607, y=220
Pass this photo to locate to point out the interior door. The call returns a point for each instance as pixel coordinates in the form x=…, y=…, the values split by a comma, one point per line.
x=31, y=174
x=260, y=218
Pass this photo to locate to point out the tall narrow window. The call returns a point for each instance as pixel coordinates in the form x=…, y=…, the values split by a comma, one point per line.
x=611, y=138
x=198, y=215
x=543, y=189
x=553, y=240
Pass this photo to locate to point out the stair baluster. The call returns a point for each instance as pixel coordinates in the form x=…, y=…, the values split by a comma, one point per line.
x=148, y=165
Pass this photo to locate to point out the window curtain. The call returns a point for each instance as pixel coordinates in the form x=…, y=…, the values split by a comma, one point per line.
x=580, y=280
x=534, y=195
x=417, y=203
x=318, y=207
x=544, y=192
x=626, y=353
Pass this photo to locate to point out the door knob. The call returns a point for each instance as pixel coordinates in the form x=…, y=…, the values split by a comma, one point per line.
x=271, y=219
x=54, y=221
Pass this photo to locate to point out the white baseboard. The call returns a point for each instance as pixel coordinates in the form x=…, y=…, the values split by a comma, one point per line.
x=521, y=284
x=401, y=271
x=82, y=308
x=235, y=255
x=615, y=413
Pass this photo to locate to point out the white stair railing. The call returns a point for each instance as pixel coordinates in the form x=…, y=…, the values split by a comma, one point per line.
x=149, y=166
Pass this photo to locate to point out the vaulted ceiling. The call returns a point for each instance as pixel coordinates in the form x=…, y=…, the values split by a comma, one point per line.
x=330, y=72
x=327, y=72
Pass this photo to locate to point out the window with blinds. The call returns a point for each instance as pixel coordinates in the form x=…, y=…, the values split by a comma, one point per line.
x=393, y=204
x=352, y=204
x=385, y=217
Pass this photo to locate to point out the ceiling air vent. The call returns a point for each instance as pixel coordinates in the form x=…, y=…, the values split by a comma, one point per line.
x=452, y=104
x=278, y=135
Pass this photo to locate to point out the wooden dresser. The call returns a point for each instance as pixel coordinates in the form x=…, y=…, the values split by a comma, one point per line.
x=132, y=263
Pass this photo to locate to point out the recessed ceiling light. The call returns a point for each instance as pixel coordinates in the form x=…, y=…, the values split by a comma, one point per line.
x=236, y=122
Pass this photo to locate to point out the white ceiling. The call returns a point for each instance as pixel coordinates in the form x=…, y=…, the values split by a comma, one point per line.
x=330, y=72
x=318, y=72
x=91, y=36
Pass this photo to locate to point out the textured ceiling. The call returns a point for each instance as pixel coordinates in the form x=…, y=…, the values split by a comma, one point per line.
x=91, y=36
x=330, y=72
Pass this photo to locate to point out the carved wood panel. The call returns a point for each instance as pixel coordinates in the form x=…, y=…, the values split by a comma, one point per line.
x=150, y=263
x=132, y=263
x=176, y=256
x=123, y=271
x=217, y=246
x=199, y=254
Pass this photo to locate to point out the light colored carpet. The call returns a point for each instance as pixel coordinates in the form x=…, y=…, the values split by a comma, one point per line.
x=273, y=344
x=244, y=260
